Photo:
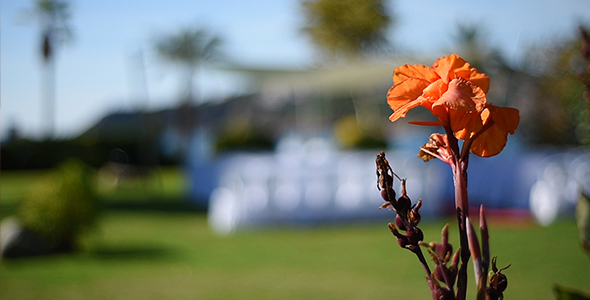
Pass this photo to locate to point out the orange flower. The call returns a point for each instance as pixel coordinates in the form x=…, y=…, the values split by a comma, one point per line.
x=450, y=82
x=456, y=94
x=450, y=78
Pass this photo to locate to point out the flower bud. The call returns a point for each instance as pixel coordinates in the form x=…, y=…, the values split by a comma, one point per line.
x=439, y=271
x=444, y=252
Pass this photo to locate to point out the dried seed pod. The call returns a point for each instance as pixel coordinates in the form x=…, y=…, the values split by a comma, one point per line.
x=403, y=241
x=399, y=222
x=414, y=217
x=415, y=235
x=403, y=204
x=497, y=281
x=388, y=196
x=500, y=282
x=384, y=195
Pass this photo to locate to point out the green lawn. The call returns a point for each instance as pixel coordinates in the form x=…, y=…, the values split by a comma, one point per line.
x=171, y=254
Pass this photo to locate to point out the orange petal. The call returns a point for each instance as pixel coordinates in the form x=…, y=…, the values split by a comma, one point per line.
x=446, y=66
x=465, y=125
x=414, y=71
x=427, y=123
x=493, y=140
x=479, y=79
x=506, y=118
x=439, y=111
x=403, y=110
x=435, y=90
x=463, y=96
x=490, y=142
x=405, y=91
x=485, y=115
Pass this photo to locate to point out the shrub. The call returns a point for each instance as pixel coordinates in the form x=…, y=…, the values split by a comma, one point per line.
x=62, y=207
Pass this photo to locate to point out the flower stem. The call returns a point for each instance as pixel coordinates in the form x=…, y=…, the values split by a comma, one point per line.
x=422, y=260
x=459, y=168
x=462, y=206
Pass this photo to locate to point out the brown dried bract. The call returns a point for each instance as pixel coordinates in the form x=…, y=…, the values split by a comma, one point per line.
x=384, y=179
x=382, y=170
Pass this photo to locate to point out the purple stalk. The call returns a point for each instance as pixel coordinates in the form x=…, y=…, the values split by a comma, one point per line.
x=485, y=241
x=459, y=167
x=477, y=265
x=426, y=268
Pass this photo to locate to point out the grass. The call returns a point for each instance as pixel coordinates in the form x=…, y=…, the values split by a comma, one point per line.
x=171, y=254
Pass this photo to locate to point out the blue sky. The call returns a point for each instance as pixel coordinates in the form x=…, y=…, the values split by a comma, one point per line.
x=97, y=71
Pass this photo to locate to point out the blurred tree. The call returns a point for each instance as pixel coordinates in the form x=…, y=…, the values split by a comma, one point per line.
x=559, y=106
x=53, y=17
x=348, y=29
x=189, y=48
x=471, y=44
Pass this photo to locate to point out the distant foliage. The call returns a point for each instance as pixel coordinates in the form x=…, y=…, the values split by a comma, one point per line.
x=62, y=207
x=560, y=109
x=350, y=135
x=347, y=28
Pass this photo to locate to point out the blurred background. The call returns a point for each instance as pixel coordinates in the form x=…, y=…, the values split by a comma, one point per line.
x=224, y=149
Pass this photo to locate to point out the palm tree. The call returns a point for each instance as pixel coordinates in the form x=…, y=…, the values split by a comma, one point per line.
x=189, y=48
x=53, y=17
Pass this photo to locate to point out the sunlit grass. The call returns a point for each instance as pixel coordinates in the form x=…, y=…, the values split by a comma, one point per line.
x=13, y=187
x=175, y=256
x=162, y=188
